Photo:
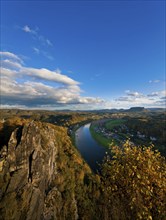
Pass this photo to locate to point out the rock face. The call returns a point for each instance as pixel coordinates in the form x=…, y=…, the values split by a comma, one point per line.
x=29, y=174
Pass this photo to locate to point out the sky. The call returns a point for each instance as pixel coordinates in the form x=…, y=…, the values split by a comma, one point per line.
x=82, y=54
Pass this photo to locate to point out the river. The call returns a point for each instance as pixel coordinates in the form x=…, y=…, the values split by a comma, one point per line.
x=91, y=151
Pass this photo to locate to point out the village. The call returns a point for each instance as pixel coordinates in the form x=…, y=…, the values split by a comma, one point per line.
x=121, y=133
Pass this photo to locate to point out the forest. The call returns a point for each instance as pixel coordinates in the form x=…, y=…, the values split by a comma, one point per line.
x=131, y=184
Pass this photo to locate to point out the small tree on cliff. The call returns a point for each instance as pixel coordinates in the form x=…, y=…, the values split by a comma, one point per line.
x=134, y=184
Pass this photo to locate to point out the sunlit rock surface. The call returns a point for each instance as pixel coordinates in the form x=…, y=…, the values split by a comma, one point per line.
x=31, y=179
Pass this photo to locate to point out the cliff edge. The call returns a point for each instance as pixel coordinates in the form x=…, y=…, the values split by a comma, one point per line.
x=38, y=171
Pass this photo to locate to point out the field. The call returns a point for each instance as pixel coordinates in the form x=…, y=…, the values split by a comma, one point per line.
x=112, y=123
x=106, y=125
x=99, y=138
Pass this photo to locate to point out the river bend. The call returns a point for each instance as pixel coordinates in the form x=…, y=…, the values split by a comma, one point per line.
x=91, y=151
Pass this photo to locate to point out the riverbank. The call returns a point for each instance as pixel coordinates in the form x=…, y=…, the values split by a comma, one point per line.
x=72, y=130
x=99, y=138
x=91, y=151
x=101, y=132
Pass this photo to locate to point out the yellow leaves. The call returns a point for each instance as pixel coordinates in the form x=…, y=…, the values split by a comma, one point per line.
x=133, y=199
x=139, y=215
x=76, y=159
x=114, y=188
x=140, y=174
x=98, y=179
x=149, y=217
x=134, y=167
x=81, y=175
x=149, y=164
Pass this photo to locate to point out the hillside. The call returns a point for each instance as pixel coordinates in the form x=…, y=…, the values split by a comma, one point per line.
x=42, y=176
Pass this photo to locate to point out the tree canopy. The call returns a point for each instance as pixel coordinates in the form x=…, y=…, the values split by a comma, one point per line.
x=134, y=183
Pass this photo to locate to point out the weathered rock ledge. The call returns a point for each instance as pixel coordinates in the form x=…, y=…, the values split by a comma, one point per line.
x=28, y=174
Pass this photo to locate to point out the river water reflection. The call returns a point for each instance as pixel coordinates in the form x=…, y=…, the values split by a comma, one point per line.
x=91, y=151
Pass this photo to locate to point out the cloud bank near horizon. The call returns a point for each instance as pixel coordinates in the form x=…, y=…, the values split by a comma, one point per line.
x=28, y=87
x=32, y=87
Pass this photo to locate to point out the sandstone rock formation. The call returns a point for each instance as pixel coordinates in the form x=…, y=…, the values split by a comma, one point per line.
x=32, y=185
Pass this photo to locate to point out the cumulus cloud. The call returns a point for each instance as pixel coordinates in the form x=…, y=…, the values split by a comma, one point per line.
x=123, y=99
x=154, y=99
x=158, y=93
x=29, y=87
x=10, y=64
x=135, y=94
x=48, y=75
x=153, y=94
x=161, y=102
x=9, y=55
x=32, y=87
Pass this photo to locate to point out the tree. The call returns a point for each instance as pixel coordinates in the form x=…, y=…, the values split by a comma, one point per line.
x=134, y=183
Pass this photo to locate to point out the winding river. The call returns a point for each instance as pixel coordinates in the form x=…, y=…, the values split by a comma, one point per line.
x=91, y=151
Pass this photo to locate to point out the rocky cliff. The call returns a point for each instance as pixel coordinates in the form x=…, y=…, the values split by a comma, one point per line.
x=41, y=175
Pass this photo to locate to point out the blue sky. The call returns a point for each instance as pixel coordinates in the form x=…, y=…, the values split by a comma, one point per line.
x=82, y=54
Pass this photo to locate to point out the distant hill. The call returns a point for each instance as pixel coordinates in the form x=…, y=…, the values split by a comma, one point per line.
x=132, y=109
x=157, y=109
x=136, y=109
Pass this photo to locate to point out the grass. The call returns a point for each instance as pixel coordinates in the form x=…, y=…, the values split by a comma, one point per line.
x=105, y=142
x=108, y=125
x=112, y=123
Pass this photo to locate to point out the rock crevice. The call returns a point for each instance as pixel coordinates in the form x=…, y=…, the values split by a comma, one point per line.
x=38, y=172
x=27, y=169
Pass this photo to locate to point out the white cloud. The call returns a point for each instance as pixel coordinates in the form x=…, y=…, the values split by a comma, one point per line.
x=32, y=87
x=162, y=93
x=131, y=99
x=47, y=55
x=35, y=33
x=48, y=75
x=26, y=28
x=10, y=64
x=49, y=42
x=43, y=88
x=43, y=42
x=130, y=93
x=153, y=94
x=154, y=81
x=7, y=72
x=123, y=99
x=42, y=52
x=11, y=56
x=158, y=93
x=36, y=50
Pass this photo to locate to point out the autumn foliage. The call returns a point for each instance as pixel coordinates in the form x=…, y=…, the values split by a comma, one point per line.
x=134, y=183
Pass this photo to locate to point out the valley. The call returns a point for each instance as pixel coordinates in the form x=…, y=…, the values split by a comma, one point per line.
x=138, y=131
x=82, y=165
